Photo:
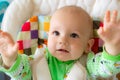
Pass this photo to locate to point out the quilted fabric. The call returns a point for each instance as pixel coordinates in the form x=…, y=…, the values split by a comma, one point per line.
x=28, y=36
x=97, y=47
x=33, y=34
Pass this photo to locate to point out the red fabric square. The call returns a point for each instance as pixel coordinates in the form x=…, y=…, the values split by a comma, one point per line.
x=26, y=26
x=101, y=24
x=20, y=44
x=95, y=46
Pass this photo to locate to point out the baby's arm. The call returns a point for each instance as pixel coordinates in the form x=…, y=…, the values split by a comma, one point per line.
x=102, y=65
x=108, y=63
x=17, y=66
x=110, y=33
x=8, y=49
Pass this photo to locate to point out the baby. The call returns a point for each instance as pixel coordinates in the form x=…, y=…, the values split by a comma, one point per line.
x=68, y=55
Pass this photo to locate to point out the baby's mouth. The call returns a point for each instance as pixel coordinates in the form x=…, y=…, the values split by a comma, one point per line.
x=63, y=50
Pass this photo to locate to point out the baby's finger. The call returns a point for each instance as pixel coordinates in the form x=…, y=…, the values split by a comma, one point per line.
x=107, y=16
x=114, y=16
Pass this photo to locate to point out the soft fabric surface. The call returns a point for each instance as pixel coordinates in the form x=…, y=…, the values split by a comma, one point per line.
x=21, y=10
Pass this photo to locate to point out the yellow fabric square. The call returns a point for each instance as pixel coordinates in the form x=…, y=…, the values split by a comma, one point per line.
x=33, y=49
x=34, y=25
x=24, y=35
x=95, y=33
x=34, y=42
x=19, y=37
x=46, y=26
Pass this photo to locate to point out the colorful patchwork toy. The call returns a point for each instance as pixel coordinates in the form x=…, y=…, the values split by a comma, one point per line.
x=33, y=34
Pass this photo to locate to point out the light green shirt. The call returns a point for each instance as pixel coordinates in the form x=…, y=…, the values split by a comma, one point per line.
x=99, y=65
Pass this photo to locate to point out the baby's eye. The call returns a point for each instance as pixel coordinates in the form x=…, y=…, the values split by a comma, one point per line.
x=56, y=33
x=74, y=35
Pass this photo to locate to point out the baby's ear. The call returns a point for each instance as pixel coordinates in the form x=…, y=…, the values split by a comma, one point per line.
x=89, y=45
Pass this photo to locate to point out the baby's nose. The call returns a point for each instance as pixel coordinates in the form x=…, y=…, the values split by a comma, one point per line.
x=63, y=40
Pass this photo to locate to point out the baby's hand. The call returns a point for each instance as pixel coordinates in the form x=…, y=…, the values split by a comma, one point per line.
x=110, y=33
x=8, y=49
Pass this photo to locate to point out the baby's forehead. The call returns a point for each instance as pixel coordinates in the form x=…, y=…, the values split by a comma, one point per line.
x=70, y=9
x=76, y=14
x=74, y=11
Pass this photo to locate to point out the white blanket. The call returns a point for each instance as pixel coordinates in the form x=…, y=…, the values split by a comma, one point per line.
x=21, y=10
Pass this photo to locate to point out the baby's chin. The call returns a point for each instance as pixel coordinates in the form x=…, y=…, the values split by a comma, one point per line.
x=64, y=59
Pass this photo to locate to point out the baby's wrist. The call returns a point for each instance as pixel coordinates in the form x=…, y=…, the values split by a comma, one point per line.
x=112, y=50
x=108, y=56
x=7, y=63
x=5, y=66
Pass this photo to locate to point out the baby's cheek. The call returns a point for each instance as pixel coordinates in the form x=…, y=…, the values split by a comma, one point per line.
x=77, y=53
x=77, y=56
x=51, y=47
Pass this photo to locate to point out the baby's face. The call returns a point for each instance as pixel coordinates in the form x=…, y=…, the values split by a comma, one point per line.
x=68, y=37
